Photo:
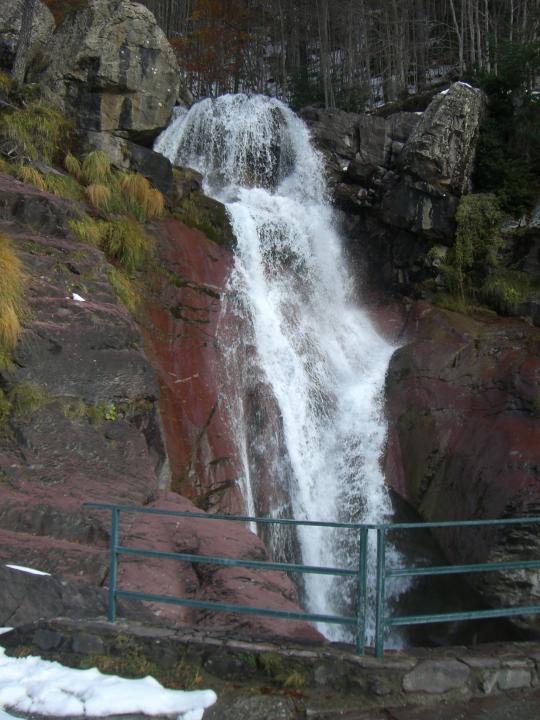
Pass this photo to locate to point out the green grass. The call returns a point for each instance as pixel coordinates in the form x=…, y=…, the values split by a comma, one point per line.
x=124, y=289
x=88, y=230
x=26, y=398
x=126, y=242
x=37, y=131
x=64, y=186
x=96, y=168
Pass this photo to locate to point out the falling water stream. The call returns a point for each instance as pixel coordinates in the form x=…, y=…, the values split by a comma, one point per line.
x=305, y=338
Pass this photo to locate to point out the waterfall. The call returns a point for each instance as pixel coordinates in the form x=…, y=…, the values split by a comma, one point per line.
x=305, y=340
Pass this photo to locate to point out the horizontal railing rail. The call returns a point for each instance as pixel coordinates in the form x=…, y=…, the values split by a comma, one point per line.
x=383, y=620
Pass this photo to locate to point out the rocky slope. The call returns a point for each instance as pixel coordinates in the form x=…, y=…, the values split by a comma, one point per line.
x=84, y=425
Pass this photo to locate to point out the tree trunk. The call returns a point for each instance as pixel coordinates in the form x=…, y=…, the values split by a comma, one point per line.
x=23, y=46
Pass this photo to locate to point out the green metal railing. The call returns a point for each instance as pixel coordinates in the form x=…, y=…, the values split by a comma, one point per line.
x=383, y=620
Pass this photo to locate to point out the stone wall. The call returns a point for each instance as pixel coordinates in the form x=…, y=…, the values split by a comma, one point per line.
x=320, y=682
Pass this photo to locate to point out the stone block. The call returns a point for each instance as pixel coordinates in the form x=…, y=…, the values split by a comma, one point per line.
x=85, y=644
x=47, y=639
x=436, y=676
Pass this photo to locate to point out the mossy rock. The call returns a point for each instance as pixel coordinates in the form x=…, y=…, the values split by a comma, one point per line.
x=207, y=215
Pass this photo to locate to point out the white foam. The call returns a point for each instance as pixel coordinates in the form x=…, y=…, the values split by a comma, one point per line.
x=315, y=347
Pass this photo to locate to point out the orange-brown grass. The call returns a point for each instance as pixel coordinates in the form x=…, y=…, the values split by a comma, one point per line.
x=97, y=195
x=29, y=174
x=73, y=166
x=11, y=299
x=138, y=192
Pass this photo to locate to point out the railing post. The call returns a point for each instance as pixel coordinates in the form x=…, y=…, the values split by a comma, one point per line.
x=362, y=581
x=113, y=564
x=380, y=592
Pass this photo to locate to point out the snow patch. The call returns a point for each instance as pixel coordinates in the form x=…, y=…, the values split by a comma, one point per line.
x=33, y=685
x=32, y=571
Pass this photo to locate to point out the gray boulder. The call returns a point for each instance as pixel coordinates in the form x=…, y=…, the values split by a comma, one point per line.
x=10, y=26
x=442, y=148
x=112, y=69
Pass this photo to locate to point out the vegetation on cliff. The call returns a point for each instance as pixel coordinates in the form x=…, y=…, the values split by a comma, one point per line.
x=11, y=299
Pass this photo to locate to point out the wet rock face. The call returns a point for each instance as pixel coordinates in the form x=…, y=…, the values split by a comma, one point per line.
x=182, y=343
x=464, y=436
x=10, y=26
x=112, y=69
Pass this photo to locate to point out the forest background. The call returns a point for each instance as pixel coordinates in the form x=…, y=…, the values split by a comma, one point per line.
x=358, y=55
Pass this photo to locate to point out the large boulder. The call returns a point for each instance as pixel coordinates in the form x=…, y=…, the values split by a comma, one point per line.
x=10, y=27
x=442, y=148
x=464, y=437
x=113, y=70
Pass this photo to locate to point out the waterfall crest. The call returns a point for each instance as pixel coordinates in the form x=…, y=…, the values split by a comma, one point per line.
x=305, y=338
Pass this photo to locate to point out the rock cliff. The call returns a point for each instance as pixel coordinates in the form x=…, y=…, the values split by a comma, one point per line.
x=398, y=178
x=81, y=421
x=111, y=68
x=464, y=437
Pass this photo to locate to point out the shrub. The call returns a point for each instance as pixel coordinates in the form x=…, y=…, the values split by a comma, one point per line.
x=477, y=244
x=125, y=241
x=11, y=299
x=505, y=290
x=26, y=398
x=37, y=131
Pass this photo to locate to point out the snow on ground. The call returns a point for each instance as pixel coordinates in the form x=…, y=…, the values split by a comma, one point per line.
x=21, y=568
x=33, y=685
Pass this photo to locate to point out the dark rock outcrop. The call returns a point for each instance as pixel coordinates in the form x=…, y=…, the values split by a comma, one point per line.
x=58, y=597
x=10, y=26
x=112, y=69
x=398, y=179
x=464, y=437
x=441, y=149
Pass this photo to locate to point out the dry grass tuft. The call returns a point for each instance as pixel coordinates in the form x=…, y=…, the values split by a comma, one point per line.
x=141, y=196
x=155, y=205
x=97, y=195
x=73, y=166
x=11, y=299
x=96, y=168
x=28, y=174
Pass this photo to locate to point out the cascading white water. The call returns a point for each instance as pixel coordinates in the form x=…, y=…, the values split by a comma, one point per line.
x=314, y=346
